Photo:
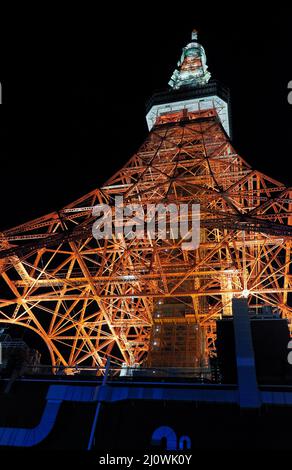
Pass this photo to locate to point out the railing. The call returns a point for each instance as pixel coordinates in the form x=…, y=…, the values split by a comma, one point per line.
x=117, y=374
x=212, y=88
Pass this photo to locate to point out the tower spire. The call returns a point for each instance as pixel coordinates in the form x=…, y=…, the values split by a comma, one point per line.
x=192, y=67
x=191, y=90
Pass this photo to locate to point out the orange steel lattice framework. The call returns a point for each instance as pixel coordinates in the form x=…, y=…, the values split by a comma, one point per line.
x=91, y=299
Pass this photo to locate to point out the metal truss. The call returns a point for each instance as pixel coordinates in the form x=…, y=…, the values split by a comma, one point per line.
x=90, y=299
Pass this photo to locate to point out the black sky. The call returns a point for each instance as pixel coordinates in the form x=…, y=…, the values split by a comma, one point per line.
x=74, y=99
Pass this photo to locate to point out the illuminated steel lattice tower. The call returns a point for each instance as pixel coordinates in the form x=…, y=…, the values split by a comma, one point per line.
x=92, y=299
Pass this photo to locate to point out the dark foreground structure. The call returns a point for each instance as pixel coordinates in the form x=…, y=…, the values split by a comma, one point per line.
x=145, y=411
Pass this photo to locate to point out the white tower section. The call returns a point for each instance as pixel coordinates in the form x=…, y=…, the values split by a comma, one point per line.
x=191, y=88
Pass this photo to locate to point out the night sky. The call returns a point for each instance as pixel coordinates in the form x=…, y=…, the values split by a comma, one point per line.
x=74, y=97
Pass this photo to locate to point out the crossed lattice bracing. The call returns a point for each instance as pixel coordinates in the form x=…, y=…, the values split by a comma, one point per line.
x=92, y=299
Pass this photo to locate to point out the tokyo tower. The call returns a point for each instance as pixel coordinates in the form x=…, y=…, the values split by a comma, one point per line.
x=148, y=300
